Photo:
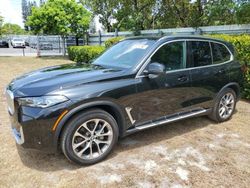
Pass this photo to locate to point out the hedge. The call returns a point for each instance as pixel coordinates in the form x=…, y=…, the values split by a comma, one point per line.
x=87, y=53
x=110, y=42
x=84, y=53
x=242, y=47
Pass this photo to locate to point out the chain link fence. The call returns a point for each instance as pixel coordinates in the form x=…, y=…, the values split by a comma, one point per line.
x=45, y=45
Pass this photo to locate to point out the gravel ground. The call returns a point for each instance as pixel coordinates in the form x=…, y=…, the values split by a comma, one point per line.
x=192, y=153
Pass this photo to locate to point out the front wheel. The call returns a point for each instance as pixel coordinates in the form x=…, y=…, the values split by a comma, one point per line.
x=89, y=137
x=224, y=106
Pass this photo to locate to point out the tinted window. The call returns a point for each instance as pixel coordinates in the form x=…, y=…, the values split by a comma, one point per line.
x=172, y=55
x=200, y=53
x=220, y=53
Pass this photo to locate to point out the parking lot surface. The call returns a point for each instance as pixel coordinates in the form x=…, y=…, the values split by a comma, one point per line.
x=195, y=152
x=27, y=51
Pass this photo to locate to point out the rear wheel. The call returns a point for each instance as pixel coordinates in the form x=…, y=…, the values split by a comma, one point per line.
x=89, y=137
x=224, y=106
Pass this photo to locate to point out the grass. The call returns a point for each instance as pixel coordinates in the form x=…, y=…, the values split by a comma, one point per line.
x=12, y=67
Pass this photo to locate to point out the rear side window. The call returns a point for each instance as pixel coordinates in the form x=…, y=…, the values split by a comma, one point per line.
x=200, y=53
x=220, y=53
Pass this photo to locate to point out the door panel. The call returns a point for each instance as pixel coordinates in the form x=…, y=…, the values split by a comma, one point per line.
x=167, y=93
x=161, y=96
x=206, y=80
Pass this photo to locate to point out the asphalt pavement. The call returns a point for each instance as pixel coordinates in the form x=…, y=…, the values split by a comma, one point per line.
x=27, y=51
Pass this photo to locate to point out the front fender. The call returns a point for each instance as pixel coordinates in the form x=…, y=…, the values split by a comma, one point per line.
x=91, y=104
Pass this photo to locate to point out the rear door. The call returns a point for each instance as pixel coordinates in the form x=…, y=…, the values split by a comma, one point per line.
x=221, y=68
x=208, y=73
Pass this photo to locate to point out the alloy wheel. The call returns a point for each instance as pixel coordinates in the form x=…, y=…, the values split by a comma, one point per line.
x=226, y=105
x=92, y=139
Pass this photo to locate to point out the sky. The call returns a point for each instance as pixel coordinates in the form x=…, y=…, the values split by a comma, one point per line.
x=11, y=10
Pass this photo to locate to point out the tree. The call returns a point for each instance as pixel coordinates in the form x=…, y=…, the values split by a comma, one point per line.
x=9, y=28
x=31, y=4
x=123, y=14
x=220, y=12
x=177, y=13
x=59, y=17
x=243, y=13
x=1, y=24
x=41, y=2
x=187, y=13
x=147, y=14
x=104, y=9
x=141, y=13
x=26, y=11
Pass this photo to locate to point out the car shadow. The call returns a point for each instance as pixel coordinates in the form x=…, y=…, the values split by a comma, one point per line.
x=163, y=132
x=54, y=162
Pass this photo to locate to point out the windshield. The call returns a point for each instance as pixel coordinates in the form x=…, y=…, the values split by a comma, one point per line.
x=125, y=54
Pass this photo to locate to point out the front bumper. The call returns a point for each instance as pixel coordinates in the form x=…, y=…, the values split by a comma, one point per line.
x=18, y=135
x=32, y=127
x=19, y=45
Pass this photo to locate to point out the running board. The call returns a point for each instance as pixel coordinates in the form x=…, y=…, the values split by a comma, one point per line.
x=168, y=120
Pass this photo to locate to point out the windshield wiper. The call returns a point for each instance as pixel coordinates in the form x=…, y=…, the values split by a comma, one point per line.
x=98, y=66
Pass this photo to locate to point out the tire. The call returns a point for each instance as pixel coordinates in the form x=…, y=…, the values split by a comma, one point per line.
x=87, y=132
x=217, y=112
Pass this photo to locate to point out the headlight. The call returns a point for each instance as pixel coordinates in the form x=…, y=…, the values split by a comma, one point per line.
x=42, y=102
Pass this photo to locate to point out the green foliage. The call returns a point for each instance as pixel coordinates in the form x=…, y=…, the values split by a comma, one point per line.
x=9, y=28
x=123, y=14
x=242, y=47
x=220, y=12
x=26, y=10
x=59, y=17
x=105, y=9
x=84, y=53
x=88, y=53
x=1, y=24
x=247, y=85
x=110, y=42
x=137, y=15
x=243, y=13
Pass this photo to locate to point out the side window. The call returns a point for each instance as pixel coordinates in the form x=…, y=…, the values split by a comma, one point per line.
x=172, y=55
x=200, y=53
x=220, y=53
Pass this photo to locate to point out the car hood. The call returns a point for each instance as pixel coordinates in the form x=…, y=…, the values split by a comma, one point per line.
x=49, y=79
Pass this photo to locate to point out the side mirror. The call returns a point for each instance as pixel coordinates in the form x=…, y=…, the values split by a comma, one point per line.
x=155, y=69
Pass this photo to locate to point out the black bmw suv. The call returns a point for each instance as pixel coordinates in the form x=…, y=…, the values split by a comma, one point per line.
x=139, y=83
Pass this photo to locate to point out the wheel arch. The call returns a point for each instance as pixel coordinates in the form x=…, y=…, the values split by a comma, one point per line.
x=108, y=106
x=234, y=86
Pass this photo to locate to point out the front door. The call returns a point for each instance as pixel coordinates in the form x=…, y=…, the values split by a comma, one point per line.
x=168, y=93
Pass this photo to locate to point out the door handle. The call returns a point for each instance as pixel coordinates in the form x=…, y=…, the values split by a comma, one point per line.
x=221, y=71
x=182, y=78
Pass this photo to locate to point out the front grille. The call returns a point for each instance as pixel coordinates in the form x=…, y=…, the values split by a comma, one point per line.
x=10, y=101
